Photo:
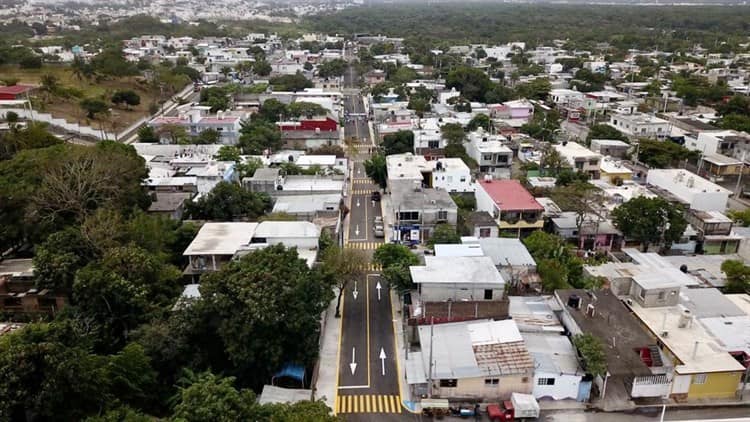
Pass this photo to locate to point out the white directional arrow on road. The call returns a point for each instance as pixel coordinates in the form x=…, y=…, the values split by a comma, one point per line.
x=356, y=230
x=355, y=292
x=378, y=286
x=353, y=365
x=357, y=202
x=382, y=361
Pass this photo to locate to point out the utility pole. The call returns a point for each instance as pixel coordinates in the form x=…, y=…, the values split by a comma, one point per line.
x=432, y=338
x=739, y=178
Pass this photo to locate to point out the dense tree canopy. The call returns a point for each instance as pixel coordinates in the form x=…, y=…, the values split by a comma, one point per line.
x=650, y=220
x=229, y=202
x=398, y=143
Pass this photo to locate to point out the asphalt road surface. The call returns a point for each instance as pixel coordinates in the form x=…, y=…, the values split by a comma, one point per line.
x=368, y=376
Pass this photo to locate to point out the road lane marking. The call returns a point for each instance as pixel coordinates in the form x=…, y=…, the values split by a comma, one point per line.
x=367, y=298
x=368, y=403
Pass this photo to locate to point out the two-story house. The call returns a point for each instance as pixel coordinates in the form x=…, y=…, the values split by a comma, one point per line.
x=514, y=209
x=580, y=158
x=489, y=151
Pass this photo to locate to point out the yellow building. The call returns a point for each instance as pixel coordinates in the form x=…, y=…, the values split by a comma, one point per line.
x=614, y=172
x=703, y=368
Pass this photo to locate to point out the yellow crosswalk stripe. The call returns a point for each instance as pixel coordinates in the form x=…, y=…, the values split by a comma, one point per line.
x=368, y=403
x=363, y=245
x=361, y=191
x=361, y=181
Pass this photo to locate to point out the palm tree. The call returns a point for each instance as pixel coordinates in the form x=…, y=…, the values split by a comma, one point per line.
x=226, y=70
x=49, y=84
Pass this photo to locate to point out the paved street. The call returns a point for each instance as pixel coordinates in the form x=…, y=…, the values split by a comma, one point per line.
x=368, y=387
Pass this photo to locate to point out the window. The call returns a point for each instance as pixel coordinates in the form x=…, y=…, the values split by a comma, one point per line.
x=486, y=232
x=442, y=215
x=545, y=381
x=491, y=381
x=463, y=179
x=661, y=295
x=487, y=157
x=449, y=383
x=642, y=293
x=408, y=215
x=699, y=378
x=433, y=144
x=487, y=294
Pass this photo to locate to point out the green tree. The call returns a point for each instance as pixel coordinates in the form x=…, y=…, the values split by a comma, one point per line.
x=442, y=235
x=593, y=353
x=471, y=82
x=658, y=154
x=738, y=276
x=273, y=110
x=398, y=143
x=480, y=120
x=264, y=309
x=262, y=68
x=207, y=137
x=376, y=169
x=650, y=220
x=741, y=217
x=342, y=266
x=247, y=167
x=49, y=375
x=453, y=133
x=92, y=107
x=554, y=274
x=147, y=134
x=131, y=377
x=257, y=136
x=294, y=83
x=229, y=202
x=216, y=97
x=228, y=153
x=583, y=199
x=127, y=97
x=534, y=90
x=603, y=131
x=306, y=109
x=331, y=68
x=207, y=397
x=395, y=261
x=59, y=258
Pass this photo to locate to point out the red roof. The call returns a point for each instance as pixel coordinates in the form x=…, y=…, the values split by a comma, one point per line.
x=15, y=89
x=510, y=195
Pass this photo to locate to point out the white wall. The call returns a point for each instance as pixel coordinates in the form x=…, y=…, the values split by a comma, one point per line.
x=698, y=200
x=653, y=386
x=566, y=386
x=299, y=242
x=433, y=292
x=484, y=201
x=453, y=180
x=681, y=384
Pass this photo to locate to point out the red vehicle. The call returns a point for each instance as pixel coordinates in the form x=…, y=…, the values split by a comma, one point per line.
x=499, y=413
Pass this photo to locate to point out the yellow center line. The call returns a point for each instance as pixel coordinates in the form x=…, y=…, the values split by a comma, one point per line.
x=367, y=298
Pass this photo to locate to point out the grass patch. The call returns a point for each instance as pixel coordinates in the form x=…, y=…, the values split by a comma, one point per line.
x=68, y=108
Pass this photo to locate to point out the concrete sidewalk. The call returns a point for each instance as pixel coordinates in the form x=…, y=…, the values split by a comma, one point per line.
x=326, y=384
x=409, y=403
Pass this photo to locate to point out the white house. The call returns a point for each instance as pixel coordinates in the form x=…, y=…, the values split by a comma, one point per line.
x=451, y=174
x=458, y=278
x=640, y=125
x=580, y=158
x=489, y=151
x=564, y=97
x=726, y=142
x=689, y=188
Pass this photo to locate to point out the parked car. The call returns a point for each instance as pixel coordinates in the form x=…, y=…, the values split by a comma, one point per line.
x=379, y=230
x=378, y=220
x=375, y=195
